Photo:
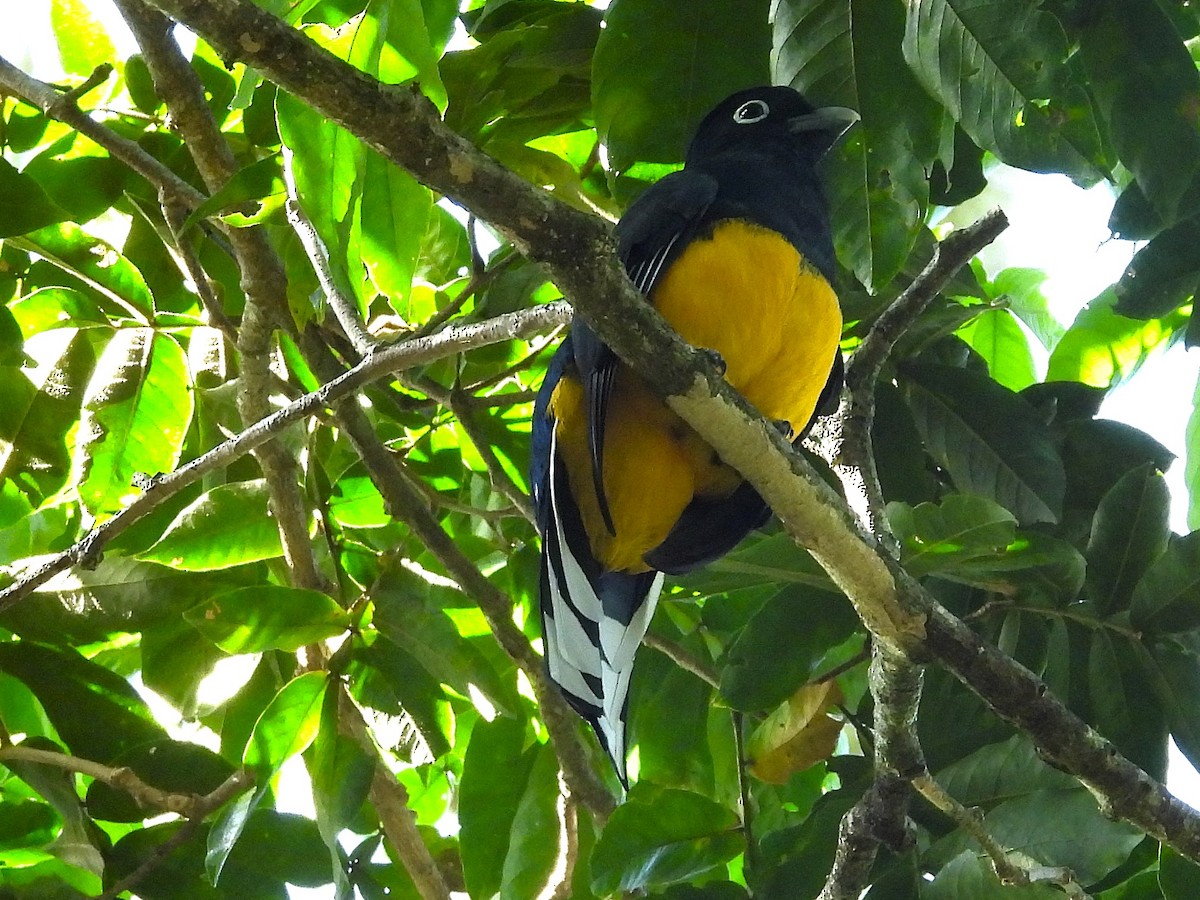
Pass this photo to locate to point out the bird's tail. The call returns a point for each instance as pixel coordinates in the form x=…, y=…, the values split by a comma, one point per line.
x=592, y=621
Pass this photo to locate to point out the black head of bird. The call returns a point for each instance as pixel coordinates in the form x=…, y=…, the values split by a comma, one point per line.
x=770, y=117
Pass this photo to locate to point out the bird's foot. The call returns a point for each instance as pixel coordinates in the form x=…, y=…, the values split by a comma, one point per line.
x=715, y=359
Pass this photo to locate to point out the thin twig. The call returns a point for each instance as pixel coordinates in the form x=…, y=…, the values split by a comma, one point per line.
x=745, y=798
x=175, y=215
x=125, y=779
x=343, y=307
x=683, y=658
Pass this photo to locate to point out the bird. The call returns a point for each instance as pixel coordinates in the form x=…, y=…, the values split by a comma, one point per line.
x=735, y=251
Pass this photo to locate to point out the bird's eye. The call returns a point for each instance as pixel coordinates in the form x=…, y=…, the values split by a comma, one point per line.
x=751, y=111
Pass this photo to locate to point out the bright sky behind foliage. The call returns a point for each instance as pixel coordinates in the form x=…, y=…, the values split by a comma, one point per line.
x=1055, y=227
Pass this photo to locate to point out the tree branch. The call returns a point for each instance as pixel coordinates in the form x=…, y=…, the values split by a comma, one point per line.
x=397, y=357
x=63, y=108
x=122, y=778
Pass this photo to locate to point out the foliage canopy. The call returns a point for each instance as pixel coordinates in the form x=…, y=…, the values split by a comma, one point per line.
x=385, y=644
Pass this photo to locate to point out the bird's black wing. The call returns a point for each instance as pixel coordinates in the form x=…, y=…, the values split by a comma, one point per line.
x=650, y=236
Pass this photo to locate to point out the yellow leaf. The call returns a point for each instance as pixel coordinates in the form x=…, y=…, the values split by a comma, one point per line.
x=797, y=735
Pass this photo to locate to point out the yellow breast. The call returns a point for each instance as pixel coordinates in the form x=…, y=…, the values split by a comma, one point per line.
x=748, y=294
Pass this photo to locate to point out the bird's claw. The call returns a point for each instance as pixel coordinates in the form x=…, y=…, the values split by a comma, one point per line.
x=715, y=359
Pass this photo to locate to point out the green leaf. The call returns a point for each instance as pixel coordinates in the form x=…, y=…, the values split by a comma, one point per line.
x=1176, y=673
x=1178, y=876
x=782, y=647
x=533, y=839
x=1129, y=532
x=1098, y=452
x=24, y=205
x=969, y=876
x=341, y=770
x=275, y=847
x=424, y=631
x=177, y=871
x=96, y=265
x=136, y=412
x=76, y=838
x=85, y=186
x=656, y=838
x=1063, y=828
x=395, y=211
x=227, y=526
x=387, y=678
x=1000, y=772
x=326, y=164
x=54, y=307
x=938, y=536
x=38, y=418
x=1167, y=597
x=260, y=184
x=987, y=438
x=1103, y=349
x=82, y=41
x=1163, y=275
x=1049, y=568
x=93, y=709
x=408, y=53
x=648, y=92
x=995, y=335
x=1145, y=84
x=671, y=714
x=1022, y=289
x=848, y=54
x=268, y=617
x=1119, y=689
x=998, y=67
x=289, y=723
x=496, y=769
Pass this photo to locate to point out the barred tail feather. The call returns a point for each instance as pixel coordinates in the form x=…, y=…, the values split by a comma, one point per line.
x=592, y=621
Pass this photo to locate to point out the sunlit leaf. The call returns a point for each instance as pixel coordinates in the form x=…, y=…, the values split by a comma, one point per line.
x=1104, y=349
x=227, y=526
x=136, y=412
x=83, y=43
x=956, y=530
x=92, y=263
x=268, y=617
x=995, y=335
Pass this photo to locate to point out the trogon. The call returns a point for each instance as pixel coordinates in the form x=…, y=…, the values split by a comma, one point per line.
x=734, y=250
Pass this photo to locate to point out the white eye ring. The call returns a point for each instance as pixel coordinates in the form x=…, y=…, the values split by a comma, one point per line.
x=751, y=111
